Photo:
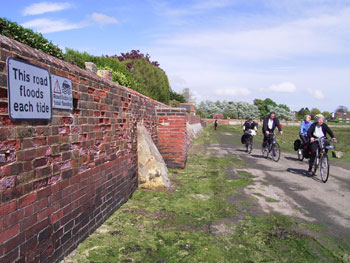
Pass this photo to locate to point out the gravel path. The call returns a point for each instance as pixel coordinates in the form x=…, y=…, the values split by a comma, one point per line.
x=284, y=187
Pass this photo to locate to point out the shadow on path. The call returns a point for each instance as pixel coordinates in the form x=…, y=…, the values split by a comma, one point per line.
x=291, y=158
x=303, y=172
x=258, y=156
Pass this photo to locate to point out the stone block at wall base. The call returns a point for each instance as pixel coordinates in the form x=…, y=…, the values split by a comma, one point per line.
x=152, y=171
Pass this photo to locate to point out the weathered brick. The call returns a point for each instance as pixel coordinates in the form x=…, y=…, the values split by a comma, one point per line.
x=40, y=162
x=9, y=233
x=8, y=208
x=12, y=193
x=13, y=218
x=45, y=192
x=27, y=200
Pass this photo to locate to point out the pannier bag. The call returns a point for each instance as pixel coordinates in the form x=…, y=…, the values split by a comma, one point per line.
x=297, y=144
x=243, y=139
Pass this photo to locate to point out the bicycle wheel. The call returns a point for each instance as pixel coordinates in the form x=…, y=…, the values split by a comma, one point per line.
x=276, y=153
x=324, y=168
x=265, y=151
x=300, y=155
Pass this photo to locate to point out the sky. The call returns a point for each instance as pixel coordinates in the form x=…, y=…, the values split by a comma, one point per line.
x=294, y=52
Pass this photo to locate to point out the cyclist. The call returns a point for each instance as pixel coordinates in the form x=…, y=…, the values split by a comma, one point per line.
x=248, y=125
x=304, y=127
x=317, y=130
x=269, y=125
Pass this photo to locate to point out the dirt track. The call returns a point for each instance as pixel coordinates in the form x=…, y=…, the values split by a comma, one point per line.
x=284, y=187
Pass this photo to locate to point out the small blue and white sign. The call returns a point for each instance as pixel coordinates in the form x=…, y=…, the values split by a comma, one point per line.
x=62, y=94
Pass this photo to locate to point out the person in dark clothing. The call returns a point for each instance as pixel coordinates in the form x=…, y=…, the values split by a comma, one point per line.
x=215, y=124
x=248, y=125
x=317, y=130
x=269, y=125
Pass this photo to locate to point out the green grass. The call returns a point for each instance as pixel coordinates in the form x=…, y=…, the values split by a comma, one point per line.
x=176, y=226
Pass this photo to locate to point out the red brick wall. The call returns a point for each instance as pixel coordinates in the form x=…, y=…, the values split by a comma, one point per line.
x=60, y=180
x=193, y=119
x=220, y=122
x=172, y=142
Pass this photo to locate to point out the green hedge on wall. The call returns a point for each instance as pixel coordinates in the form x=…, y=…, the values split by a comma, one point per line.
x=28, y=37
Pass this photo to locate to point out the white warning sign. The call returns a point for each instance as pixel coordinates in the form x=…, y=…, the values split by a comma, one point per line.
x=29, y=91
x=62, y=95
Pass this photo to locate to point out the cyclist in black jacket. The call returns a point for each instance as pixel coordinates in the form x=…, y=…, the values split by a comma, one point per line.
x=248, y=125
x=269, y=125
x=317, y=130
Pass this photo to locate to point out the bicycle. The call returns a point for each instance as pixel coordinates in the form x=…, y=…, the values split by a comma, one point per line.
x=249, y=140
x=272, y=147
x=321, y=159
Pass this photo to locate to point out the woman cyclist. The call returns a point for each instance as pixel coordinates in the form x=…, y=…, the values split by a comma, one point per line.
x=304, y=127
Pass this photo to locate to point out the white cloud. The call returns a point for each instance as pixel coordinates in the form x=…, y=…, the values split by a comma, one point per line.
x=197, y=8
x=103, y=19
x=241, y=92
x=44, y=25
x=284, y=87
x=320, y=35
x=316, y=94
x=45, y=7
x=308, y=50
x=177, y=82
x=211, y=4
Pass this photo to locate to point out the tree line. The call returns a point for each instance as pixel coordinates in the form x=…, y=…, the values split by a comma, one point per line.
x=244, y=110
x=259, y=110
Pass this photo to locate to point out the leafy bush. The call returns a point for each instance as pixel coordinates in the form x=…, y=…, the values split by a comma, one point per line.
x=142, y=76
x=176, y=96
x=28, y=37
x=119, y=77
x=151, y=80
x=200, y=113
x=136, y=54
x=120, y=73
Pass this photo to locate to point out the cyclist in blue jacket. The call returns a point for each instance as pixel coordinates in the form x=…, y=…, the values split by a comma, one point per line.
x=304, y=127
